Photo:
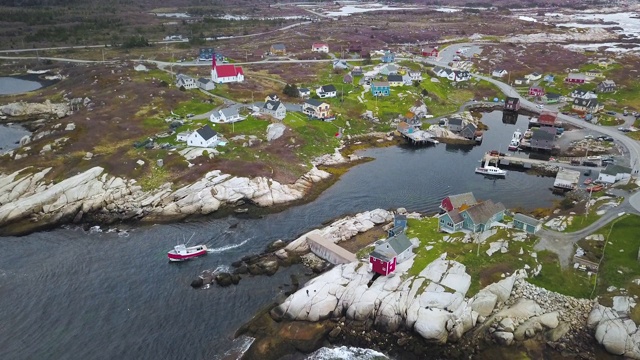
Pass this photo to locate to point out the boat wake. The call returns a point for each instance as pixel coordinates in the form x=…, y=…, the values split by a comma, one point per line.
x=240, y=345
x=227, y=247
x=346, y=353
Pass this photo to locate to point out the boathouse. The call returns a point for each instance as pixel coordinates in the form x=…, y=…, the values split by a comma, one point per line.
x=512, y=104
x=329, y=251
x=543, y=139
x=526, y=223
x=566, y=179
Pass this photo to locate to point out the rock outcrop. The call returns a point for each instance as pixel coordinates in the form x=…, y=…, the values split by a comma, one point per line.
x=23, y=109
x=343, y=229
x=94, y=192
x=433, y=304
x=614, y=328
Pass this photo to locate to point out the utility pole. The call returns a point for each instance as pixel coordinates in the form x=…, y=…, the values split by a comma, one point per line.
x=102, y=55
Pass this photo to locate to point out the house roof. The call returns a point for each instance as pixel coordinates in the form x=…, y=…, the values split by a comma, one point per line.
x=552, y=96
x=271, y=105
x=303, y=90
x=380, y=83
x=394, y=78
x=383, y=252
x=400, y=243
x=536, y=88
x=319, y=44
x=228, y=70
x=455, y=216
x=578, y=76
x=328, y=88
x=608, y=83
x=455, y=121
x=207, y=132
x=278, y=46
x=469, y=127
x=579, y=92
x=616, y=169
x=314, y=102
x=499, y=70
x=547, y=118
x=542, y=134
x=229, y=112
x=438, y=69
x=462, y=199
x=482, y=212
x=204, y=80
x=526, y=219
x=400, y=217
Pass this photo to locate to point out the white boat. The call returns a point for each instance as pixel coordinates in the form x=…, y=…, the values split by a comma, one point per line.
x=515, y=140
x=489, y=170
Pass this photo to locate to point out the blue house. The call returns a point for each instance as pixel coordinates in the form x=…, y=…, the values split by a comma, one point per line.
x=399, y=225
x=476, y=218
x=450, y=221
x=526, y=223
x=479, y=218
x=548, y=78
x=380, y=88
x=388, y=57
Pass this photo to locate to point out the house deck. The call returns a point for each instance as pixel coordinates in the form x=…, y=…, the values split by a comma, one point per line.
x=420, y=137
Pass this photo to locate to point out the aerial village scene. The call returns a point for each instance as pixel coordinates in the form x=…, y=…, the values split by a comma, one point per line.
x=320, y=180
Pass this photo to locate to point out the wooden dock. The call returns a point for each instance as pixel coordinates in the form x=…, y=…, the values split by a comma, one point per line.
x=515, y=161
x=329, y=251
x=419, y=137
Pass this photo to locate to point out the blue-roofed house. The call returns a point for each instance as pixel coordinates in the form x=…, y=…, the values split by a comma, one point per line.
x=548, y=78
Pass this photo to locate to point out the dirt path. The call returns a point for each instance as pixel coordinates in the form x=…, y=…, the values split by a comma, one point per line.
x=563, y=244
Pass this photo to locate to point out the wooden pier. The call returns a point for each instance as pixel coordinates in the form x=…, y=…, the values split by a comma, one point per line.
x=515, y=161
x=420, y=137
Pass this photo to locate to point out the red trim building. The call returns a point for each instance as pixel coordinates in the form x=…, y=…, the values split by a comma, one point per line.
x=457, y=201
x=432, y=52
x=536, y=91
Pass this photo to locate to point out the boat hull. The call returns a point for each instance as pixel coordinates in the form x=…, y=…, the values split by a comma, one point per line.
x=186, y=253
x=484, y=171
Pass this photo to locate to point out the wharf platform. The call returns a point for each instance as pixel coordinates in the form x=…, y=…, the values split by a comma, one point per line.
x=328, y=250
x=419, y=137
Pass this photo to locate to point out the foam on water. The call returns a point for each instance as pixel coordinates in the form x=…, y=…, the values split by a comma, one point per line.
x=227, y=247
x=240, y=345
x=346, y=353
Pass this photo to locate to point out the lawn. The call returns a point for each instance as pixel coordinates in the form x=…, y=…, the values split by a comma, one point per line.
x=620, y=265
x=568, y=281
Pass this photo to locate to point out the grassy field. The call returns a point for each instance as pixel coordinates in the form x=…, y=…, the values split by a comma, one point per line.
x=620, y=265
x=485, y=269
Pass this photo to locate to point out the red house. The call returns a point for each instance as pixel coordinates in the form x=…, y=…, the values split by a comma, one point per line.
x=536, y=91
x=386, y=255
x=458, y=201
x=574, y=78
x=432, y=52
x=547, y=118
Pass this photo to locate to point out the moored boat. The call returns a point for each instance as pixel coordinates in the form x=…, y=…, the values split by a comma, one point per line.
x=595, y=188
x=515, y=140
x=489, y=170
x=181, y=252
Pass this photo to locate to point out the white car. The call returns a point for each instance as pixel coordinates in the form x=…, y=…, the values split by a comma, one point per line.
x=588, y=136
x=540, y=106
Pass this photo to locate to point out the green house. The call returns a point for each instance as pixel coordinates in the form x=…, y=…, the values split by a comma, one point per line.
x=526, y=223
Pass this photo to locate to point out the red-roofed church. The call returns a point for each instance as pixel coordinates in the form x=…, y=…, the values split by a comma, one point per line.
x=226, y=73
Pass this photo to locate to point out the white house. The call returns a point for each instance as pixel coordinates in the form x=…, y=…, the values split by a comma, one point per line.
x=533, y=76
x=441, y=72
x=140, y=67
x=460, y=75
x=613, y=173
x=340, y=64
x=320, y=47
x=275, y=109
x=227, y=73
x=327, y=91
x=304, y=92
x=521, y=81
x=227, y=115
x=415, y=75
x=272, y=97
x=583, y=94
x=185, y=81
x=205, y=84
x=499, y=73
x=183, y=136
x=203, y=137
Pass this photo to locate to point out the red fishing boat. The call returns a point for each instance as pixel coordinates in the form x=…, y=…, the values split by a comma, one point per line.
x=182, y=252
x=595, y=188
x=588, y=181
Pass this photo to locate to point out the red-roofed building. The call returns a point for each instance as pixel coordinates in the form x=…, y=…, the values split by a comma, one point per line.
x=536, y=91
x=320, y=47
x=547, y=118
x=226, y=73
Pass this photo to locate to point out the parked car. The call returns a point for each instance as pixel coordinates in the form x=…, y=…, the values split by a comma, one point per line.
x=608, y=161
x=588, y=136
x=623, y=129
x=190, y=116
x=587, y=172
x=589, y=163
x=575, y=162
x=611, y=112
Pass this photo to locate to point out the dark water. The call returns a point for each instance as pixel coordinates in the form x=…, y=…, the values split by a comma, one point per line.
x=9, y=135
x=68, y=294
x=15, y=85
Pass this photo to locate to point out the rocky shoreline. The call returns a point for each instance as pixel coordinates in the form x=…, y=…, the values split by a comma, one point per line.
x=411, y=316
